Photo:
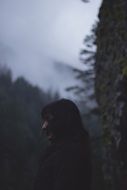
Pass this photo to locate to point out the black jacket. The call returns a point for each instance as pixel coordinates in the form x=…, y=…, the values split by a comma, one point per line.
x=65, y=166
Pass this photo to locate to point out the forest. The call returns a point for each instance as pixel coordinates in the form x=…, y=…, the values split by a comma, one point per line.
x=20, y=107
x=102, y=99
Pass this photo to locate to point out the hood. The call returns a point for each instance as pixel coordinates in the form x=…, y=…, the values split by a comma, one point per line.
x=65, y=119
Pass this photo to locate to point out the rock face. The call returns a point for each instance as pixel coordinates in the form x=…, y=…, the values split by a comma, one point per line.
x=111, y=89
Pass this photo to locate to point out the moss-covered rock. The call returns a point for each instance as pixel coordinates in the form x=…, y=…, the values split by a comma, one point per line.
x=111, y=87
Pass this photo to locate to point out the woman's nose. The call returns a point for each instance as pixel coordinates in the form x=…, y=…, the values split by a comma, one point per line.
x=45, y=124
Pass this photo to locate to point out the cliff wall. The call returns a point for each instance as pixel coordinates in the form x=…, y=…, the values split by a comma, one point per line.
x=111, y=89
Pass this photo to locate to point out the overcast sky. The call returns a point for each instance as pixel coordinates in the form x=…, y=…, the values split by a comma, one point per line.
x=34, y=34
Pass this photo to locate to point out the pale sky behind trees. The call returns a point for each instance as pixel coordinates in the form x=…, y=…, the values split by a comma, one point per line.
x=34, y=34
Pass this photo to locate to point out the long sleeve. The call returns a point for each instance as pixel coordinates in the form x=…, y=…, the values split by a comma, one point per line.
x=72, y=172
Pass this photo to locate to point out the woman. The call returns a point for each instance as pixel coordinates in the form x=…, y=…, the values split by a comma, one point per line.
x=66, y=164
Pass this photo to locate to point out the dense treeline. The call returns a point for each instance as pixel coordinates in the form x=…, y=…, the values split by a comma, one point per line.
x=20, y=106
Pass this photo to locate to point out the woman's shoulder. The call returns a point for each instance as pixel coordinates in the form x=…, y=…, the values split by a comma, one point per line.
x=69, y=150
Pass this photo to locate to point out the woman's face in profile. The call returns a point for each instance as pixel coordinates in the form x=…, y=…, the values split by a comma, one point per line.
x=45, y=124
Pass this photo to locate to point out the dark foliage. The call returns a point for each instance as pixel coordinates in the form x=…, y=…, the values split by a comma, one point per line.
x=90, y=110
x=20, y=107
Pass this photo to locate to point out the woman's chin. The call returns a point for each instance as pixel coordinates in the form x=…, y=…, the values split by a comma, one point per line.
x=50, y=136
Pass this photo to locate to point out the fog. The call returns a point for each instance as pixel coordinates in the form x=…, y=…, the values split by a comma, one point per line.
x=35, y=34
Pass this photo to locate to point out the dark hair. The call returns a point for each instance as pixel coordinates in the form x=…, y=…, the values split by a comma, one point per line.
x=66, y=120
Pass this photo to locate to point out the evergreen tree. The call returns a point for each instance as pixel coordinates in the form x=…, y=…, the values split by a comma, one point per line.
x=20, y=107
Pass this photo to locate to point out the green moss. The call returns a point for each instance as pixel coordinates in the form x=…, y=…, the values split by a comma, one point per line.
x=102, y=87
x=122, y=62
x=124, y=72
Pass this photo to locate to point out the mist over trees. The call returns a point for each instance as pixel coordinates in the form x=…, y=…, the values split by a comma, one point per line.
x=20, y=122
